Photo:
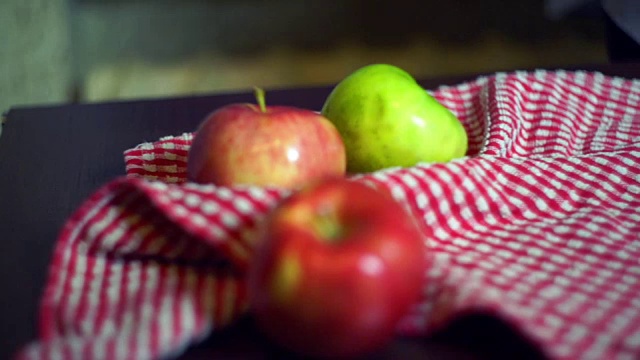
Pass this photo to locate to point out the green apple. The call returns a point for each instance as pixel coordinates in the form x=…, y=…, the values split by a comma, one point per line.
x=386, y=119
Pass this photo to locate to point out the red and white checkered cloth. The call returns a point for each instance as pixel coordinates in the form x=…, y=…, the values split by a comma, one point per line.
x=539, y=225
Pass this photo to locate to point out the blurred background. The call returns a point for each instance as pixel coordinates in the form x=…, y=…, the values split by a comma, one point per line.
x=58, y=51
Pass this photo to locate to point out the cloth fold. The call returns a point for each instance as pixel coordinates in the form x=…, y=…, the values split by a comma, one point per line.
x=539, y=224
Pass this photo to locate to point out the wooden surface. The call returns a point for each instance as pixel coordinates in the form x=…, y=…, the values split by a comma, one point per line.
x=52, y=158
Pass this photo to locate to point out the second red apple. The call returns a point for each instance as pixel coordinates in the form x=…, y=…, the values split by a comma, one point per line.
x=265, y=146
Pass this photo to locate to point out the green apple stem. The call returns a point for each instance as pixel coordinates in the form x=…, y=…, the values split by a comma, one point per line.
x=260, y=98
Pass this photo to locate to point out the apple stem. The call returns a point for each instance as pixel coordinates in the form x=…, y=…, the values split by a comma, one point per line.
x=328, y=228
x=260, y=98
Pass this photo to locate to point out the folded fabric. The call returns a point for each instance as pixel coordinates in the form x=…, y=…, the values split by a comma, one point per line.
x=539, y=225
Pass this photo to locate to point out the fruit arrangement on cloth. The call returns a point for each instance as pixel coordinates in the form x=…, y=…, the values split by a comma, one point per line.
x=339, y=263
x=537, y=226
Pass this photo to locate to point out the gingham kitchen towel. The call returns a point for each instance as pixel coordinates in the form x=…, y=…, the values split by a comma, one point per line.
x=539, y=225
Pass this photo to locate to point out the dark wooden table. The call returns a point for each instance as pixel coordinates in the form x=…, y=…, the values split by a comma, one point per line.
x=53, y=157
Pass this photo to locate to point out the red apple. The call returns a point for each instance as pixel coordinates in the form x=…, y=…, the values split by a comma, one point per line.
x=265, y=146
x=338, y=266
